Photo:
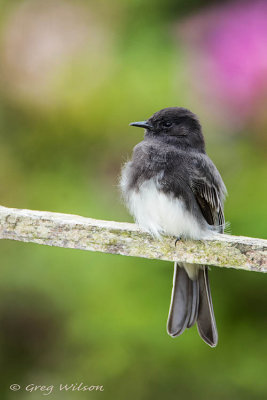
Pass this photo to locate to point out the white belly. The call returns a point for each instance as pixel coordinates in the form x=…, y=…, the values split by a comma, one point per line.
x=159, y=213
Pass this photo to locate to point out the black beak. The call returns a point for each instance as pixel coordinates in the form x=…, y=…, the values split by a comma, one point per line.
x=142, y=124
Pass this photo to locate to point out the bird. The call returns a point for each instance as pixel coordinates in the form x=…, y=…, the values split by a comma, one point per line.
x=171, y=187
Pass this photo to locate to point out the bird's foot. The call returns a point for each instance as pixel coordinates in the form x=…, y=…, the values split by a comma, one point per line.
x=177, y=240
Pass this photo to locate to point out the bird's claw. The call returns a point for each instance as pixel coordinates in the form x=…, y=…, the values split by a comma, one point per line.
x=177, y=240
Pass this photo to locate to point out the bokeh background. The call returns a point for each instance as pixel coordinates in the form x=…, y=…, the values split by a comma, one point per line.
x=73, y=74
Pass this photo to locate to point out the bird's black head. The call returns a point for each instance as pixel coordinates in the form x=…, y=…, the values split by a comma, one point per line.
x=175, y=125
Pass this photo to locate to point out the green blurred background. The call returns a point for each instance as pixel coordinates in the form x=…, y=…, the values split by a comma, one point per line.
x=73, y=74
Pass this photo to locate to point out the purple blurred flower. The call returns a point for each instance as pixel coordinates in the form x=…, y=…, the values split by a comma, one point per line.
x=230, y=43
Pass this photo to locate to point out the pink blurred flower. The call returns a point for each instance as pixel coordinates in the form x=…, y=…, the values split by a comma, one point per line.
x=230, y=43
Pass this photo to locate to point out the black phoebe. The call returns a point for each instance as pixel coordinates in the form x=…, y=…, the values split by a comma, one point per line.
x=171, y=187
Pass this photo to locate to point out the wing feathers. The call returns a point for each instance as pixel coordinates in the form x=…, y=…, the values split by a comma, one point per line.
x=210, y=198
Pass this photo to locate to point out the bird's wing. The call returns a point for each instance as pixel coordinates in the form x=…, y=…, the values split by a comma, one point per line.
x=209, y=191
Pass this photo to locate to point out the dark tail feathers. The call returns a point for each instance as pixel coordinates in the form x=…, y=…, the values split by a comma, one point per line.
x=191, y=302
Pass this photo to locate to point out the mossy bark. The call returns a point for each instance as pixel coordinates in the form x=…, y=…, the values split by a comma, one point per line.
x=72, y=231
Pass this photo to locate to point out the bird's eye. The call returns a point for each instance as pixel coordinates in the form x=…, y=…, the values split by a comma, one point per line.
x=166, y=124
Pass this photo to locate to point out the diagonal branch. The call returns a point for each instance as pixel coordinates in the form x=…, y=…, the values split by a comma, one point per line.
x=72, y=231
